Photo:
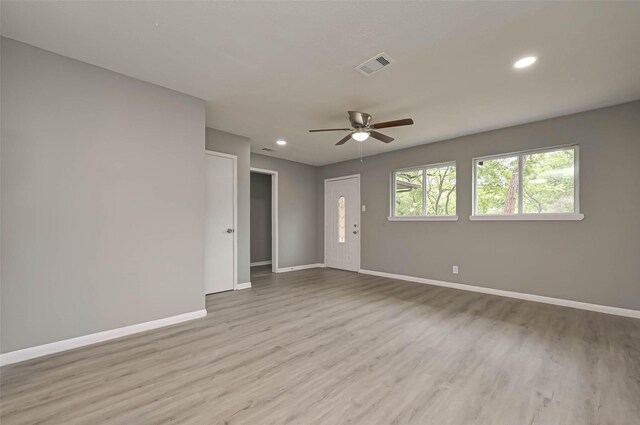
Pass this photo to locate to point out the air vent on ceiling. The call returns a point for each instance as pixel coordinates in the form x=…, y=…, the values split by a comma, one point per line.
x=267, y=149
x=374, y=64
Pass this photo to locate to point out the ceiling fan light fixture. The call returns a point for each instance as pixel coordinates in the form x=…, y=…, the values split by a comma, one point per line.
x=525, y=62
x=360, y=136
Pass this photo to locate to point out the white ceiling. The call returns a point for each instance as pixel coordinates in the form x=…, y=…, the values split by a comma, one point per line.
x=273, y=70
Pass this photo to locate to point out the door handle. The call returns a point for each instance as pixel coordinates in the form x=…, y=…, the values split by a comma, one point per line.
x=229, y=230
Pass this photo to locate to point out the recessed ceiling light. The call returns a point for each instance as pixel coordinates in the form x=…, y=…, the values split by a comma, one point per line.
x=360, y=136
x=281, y=142
x=525, y=62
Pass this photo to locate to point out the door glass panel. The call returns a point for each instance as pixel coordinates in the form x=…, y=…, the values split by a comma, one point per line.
x=342, y=220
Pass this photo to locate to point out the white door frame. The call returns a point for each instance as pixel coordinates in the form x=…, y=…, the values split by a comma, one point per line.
x=274, y=214
x=235, y=211
x=324, y=228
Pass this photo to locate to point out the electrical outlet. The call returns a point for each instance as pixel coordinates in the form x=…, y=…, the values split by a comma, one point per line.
x=364, y=208
x=455, y=269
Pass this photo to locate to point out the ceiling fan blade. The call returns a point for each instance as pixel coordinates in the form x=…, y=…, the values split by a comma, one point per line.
x=382, y=137
x=343, y=140
x=359, y=119
x=330, y=129
x=396, y=123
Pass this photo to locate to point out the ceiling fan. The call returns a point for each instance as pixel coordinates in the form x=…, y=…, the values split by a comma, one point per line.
x=361, y=128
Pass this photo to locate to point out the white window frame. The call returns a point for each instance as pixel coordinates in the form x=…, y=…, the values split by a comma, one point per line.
x=392, y=203
x=520, y=216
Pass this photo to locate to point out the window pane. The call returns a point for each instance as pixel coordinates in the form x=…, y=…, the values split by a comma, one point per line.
x=441, y=190
x=548, y=182
x=342, y=220
x=409, y=192
x=497, y=186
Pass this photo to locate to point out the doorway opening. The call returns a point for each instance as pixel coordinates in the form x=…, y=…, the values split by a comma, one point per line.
x=264, y=221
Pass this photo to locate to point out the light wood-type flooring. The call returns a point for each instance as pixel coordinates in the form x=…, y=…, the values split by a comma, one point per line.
x=324, y=346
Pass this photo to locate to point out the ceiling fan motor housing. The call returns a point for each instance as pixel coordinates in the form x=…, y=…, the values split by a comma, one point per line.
x=359, y=119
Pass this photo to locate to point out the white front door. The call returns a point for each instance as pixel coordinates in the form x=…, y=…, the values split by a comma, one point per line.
x=342, y=223
x=220, y=240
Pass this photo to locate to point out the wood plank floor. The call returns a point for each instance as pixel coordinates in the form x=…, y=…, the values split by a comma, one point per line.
x=327, y=347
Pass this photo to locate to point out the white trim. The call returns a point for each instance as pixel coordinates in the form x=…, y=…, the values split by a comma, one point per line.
x=324, y=222
x=246, y=285
x=81, y=341
x=528, y=217
x=425, y=166
x=351, y=176
x=303, y=267
x=510, y=294
x=324, y=208
x=261, y=263
x=274, y=215
x=235, y=211
x=425, y=218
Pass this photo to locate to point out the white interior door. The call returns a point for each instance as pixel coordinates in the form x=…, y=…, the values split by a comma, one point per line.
x=220, y=239
x=342, y=223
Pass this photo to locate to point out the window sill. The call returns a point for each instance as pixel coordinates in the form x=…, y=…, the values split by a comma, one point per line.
x=426, y=218
x=528, y=217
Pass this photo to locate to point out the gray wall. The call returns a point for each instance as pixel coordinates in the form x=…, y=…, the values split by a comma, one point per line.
x=297, y=210
x=596, y=260
x=102, y=199
x=233, y=144
x=260, y=217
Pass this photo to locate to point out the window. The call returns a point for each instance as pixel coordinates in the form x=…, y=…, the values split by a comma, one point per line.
x=342, y=220
x=424, y=193
x=532, y=185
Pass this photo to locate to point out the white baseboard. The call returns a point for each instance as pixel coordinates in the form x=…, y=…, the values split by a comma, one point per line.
x=303, y=267
x=81, y=341
x=261, y=263
x=518, y=295
x=246, y=285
